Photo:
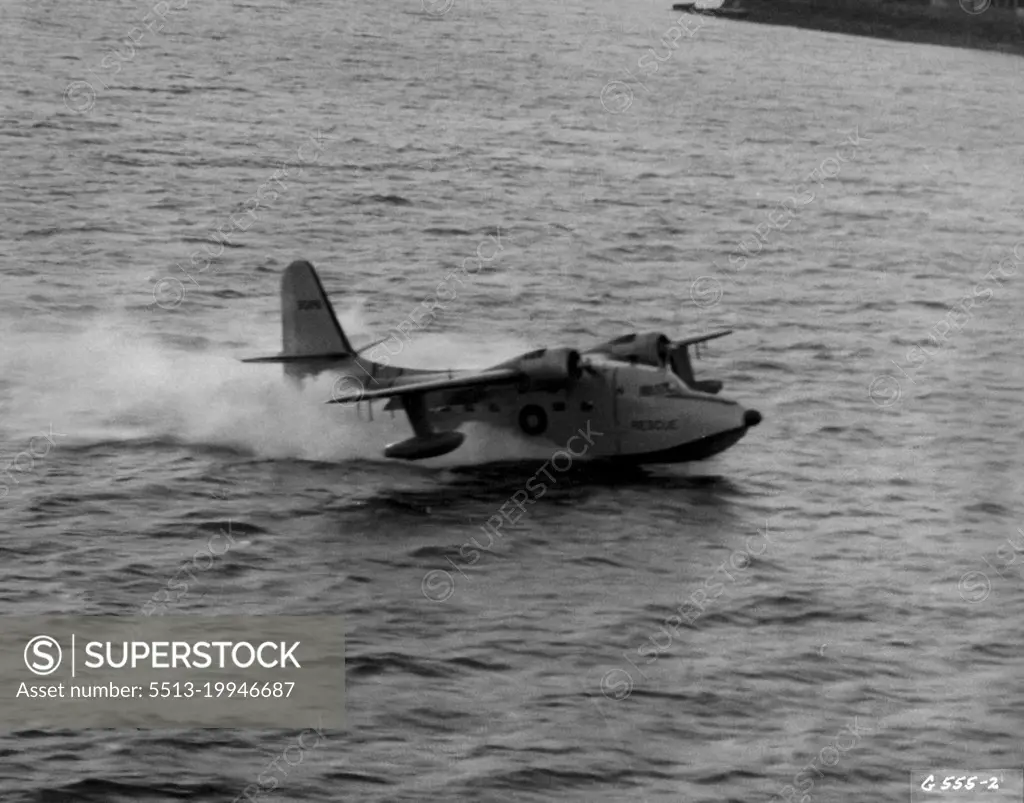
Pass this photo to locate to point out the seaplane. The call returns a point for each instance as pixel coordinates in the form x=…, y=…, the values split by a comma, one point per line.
x=637, y=391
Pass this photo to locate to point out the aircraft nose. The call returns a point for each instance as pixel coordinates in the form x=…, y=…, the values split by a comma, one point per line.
x=751, y=418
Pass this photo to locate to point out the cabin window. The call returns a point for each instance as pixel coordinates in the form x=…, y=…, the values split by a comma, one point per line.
x=586, y=406
x=558, y=407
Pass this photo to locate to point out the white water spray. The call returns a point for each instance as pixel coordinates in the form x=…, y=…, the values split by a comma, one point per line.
x=110, y=382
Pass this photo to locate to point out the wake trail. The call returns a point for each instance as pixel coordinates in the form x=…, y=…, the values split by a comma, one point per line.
x=107, y=382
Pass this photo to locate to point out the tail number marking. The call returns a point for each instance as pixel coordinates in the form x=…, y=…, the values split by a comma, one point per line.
x=304, y=305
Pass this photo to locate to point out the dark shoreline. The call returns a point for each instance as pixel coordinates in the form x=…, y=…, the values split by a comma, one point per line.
x=994, y=29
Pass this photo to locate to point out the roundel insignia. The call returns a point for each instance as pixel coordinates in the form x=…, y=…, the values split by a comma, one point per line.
x=533, y=420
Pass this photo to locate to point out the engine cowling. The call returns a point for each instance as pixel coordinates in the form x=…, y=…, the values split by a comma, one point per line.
x=551, y=367
x=650, y=348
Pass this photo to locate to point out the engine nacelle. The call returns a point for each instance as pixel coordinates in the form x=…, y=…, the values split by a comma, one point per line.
x=550, y=367
x=650, y=348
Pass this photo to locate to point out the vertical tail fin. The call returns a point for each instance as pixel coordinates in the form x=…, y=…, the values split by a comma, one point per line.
x=309, y=326
x=312, y=340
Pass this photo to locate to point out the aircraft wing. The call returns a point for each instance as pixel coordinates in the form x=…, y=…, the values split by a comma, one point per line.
x=501, y=376
x=689, y=341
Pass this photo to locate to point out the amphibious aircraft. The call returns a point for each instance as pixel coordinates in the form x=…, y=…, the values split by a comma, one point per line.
x=638, y=391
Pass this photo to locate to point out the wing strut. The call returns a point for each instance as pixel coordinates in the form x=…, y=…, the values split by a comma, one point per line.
x=416, y=409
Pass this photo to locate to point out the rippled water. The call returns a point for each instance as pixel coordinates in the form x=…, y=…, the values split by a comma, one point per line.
x=397, y=139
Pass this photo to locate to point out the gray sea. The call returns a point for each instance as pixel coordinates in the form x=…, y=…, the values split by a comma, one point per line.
x=854, y=561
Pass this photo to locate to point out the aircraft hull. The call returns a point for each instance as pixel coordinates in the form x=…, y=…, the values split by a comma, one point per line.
x=633, y=413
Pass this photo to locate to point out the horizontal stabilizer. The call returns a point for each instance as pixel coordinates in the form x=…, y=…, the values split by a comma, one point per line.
x=301, y=358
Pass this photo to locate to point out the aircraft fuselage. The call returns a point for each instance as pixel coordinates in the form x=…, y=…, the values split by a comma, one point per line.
x=633, y=412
